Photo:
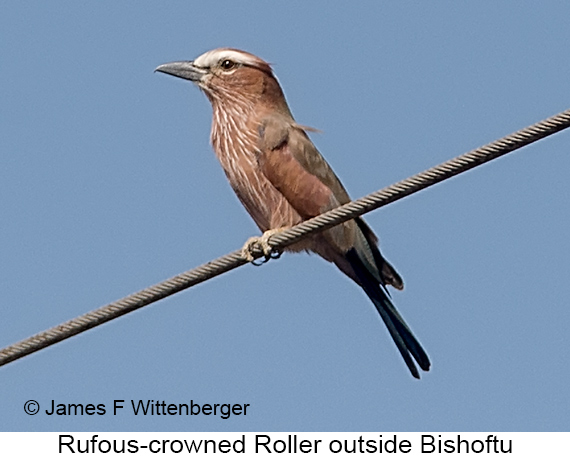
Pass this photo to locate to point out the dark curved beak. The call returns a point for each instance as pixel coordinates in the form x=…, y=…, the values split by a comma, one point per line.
x=184, y=69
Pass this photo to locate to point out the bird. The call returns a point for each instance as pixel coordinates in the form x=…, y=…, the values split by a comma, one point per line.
x=282, y=179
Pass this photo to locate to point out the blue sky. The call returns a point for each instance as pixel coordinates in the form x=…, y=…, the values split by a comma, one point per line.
x=108, y=184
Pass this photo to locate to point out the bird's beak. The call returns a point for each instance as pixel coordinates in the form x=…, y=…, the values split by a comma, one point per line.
x=184, y=70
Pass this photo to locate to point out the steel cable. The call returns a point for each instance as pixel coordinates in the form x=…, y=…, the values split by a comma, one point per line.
x=279, y=240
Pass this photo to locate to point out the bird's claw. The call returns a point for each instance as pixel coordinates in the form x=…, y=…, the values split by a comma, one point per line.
x=263, y=242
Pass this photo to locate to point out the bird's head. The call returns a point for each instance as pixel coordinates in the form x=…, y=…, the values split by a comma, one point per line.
x=230, y=75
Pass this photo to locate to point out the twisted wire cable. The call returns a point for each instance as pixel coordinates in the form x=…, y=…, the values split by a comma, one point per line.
x=289, y=236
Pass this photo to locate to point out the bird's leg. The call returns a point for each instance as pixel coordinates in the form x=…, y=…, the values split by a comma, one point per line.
x=263, y=242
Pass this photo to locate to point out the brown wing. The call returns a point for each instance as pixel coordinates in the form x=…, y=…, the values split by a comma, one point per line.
x=290, y=161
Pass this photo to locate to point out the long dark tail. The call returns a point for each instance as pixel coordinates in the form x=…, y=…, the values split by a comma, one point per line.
x=407, y=344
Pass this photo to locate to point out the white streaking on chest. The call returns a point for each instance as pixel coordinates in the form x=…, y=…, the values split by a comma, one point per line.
x=236, y=146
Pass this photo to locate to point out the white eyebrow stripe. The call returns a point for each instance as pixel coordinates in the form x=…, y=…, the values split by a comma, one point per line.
x=210, y=58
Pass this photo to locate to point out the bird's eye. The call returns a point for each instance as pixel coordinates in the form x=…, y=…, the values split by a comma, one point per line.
x=227, y=64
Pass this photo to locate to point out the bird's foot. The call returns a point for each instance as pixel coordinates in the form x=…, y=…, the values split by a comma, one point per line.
x=263, y=242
